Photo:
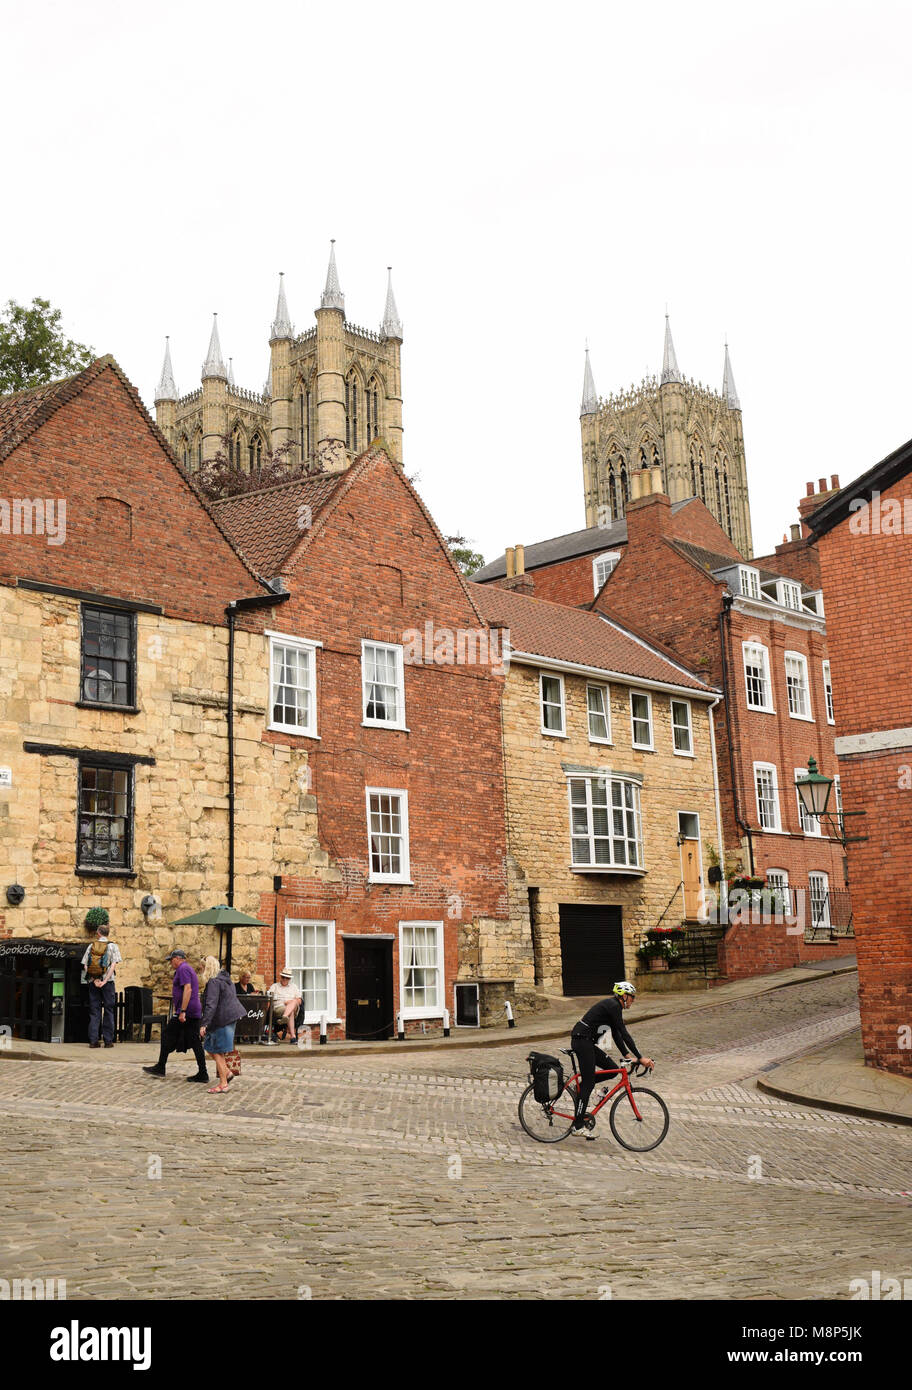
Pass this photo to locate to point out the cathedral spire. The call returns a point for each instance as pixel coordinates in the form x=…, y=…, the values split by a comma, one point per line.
x=213, y=365
x=589, y=404
x=670, y=368
x=281, y=324
x=333, y=298
x=167, y=388
x=729, y=390
x=391, y=326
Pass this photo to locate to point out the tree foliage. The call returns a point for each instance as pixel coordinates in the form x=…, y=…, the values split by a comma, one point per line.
x=34, y=349
x=468, y=560
x=221, y=476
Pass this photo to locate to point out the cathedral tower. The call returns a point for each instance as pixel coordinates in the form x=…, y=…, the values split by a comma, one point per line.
x=330, y=392
x=689, y=431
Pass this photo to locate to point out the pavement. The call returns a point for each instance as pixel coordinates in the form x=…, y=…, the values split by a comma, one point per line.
x=404, y=1173
x=835, y=1077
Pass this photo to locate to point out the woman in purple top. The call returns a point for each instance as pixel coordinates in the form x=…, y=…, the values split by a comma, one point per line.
x=182, y=1031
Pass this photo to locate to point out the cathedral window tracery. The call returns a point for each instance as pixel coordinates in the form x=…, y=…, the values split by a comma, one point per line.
x=255, y=454
x=235, y=451
x=351, y=411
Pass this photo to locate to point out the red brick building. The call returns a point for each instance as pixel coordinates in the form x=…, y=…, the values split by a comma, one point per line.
x=760, y=636
x=864, y=539
x=398, y=707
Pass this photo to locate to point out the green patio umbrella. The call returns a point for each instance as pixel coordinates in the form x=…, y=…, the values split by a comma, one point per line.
x=225, y=918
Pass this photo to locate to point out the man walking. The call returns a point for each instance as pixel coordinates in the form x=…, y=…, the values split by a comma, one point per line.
x=182, y=1031
x=99, y=965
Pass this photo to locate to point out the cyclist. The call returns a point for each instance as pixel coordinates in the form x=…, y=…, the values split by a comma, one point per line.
x=604, y=1017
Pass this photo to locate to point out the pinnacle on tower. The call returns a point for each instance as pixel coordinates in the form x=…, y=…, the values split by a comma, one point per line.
x=729, y=390
x=589, y=404
x=267, y=389
x=670, y=369
x=167, y=388
x=231, y=380
x=391, y=327
x=333, y=298
x=281, y=324
x=213, y=365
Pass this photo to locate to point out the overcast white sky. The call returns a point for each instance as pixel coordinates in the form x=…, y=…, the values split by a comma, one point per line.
x=535, y=175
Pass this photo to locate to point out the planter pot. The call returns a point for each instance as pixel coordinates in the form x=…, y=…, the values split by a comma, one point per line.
x=657, y=963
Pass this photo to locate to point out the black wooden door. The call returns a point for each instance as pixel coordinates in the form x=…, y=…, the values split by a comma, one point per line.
x=368, y=989
x=592, y=948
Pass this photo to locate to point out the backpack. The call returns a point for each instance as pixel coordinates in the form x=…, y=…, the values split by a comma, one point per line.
x=95, y=966
x=547, y=1075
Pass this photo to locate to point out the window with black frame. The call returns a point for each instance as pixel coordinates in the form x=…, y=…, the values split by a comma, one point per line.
x=105, y=817
x=108, y=657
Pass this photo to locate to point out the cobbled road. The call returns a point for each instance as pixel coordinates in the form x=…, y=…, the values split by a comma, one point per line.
x=328, y=1177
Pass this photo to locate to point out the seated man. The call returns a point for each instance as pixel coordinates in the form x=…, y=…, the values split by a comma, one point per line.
x=286, y=1000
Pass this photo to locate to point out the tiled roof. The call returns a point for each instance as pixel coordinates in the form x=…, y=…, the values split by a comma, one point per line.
x=578, y=637
x=590, y=541
x=707, y=559
x=21, y=414
x=267, y=525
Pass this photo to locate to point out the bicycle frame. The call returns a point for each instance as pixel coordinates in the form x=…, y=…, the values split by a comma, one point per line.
x=622, y=1085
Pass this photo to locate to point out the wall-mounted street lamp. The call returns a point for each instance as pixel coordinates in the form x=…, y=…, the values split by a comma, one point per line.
x=814, y=794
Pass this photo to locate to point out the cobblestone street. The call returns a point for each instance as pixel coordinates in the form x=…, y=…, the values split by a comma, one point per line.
x=334, y=1177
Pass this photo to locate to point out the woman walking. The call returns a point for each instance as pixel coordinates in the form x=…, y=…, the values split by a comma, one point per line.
x=221, y=1010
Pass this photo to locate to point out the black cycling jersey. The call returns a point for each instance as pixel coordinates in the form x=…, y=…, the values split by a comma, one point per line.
x=606, y=1016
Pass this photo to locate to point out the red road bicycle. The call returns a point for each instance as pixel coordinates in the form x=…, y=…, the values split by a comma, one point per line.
x=638, y=1118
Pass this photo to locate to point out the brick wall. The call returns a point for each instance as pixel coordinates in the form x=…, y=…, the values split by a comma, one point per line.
x=869, y=622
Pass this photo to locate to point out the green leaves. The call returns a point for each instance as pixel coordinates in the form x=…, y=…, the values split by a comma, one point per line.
x=34, y=350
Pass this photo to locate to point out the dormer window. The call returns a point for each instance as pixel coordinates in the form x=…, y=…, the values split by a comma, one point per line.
x=602, y=565
x=813, y=602
x=788, y=594
x=748, y=582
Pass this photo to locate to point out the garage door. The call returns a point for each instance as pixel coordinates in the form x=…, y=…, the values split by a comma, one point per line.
x=592, y=948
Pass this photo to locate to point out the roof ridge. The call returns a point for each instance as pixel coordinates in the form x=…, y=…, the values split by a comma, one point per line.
x=275, y=487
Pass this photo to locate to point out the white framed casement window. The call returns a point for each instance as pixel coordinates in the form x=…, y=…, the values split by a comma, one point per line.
x=606, y=826
x=828, y=694
x=777, y=879
x=837, y=801
x=810, y=825
x=749, y=581
x=757, y=677
x=819, y=895
x=551, y=689
x=382, y=685
x=602, y=565
x=310, y=954
x=292, y=685
x=798, y=686
x=681, y=728
x=766, y=785
x=388, y=836
x=421, y=969
x=598, y=705
x=641, y=719
x=788, y=594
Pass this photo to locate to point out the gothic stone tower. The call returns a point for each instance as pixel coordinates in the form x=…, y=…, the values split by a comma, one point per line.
x=687, y=430
x=330, y=392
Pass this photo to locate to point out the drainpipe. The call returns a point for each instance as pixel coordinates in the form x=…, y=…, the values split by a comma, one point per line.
x=725, y=612
x=238, y=605
x=712, y=744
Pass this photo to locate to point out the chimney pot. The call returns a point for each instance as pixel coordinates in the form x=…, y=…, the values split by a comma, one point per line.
x=823, y=486
x=511, y=564
x=834, y=482
x=795, y=529
x=657, y=479
x=810, y=489
x=520, y=560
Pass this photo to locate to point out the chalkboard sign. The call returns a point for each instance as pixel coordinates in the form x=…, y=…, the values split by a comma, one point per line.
x=251, y=1027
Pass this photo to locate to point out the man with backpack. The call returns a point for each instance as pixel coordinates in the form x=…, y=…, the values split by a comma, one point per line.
x=99, y=965
x=604, y=1017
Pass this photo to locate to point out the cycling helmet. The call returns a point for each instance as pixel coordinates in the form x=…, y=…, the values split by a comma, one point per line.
x=624, y=987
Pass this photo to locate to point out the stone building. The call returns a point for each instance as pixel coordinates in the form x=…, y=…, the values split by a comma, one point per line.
x=330, y=391
x=115, y=787
x=863, y=535
x=692, y=433
x=611, y=791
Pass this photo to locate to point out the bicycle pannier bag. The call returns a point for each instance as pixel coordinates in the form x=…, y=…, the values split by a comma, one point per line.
x=547, y=1076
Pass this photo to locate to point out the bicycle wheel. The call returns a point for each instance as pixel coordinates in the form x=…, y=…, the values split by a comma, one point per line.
x=639, y=1135
x=547, y=1123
